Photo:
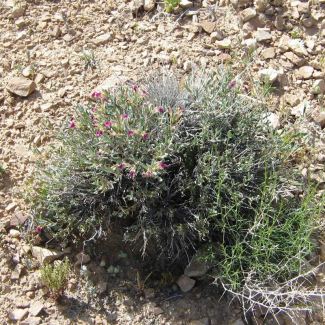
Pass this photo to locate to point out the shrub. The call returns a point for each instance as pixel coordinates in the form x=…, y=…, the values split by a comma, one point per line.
x=55, y=278
x=180, y=166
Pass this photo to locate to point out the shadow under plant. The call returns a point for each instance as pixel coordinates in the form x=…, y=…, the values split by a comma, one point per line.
x=185, y=166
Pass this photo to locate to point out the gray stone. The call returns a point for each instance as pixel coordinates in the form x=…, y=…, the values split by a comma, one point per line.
x=279, y=22
x=197, y=266
x=293, y=100
x=187, y=66
x=248, y=14
x=18, y=314
x=303, y=7
x=300, y=109
x=21, y=86
x=268, y=53
x=44, y=255
x=185, y=283
x=308, y=22
x=82, y=259
x=136, y=5
x=216, y=36
x=318, y=87
x=295, y=59
x=55, y=31
x=15, y=274
x=161, y=29
x=149, y=293
x=36, y=308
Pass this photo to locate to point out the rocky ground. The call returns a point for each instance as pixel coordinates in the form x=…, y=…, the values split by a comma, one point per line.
x=54, y=53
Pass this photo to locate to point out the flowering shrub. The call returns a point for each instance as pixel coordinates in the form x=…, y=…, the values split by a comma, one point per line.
x=179, y=168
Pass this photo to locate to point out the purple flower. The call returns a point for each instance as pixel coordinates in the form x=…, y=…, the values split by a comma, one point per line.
x=121, y=166
x=232, y=85
x=93, y=94
x=38, y=229
x=168, y=108
x=132, y=173
x=135, y=87
x=130, y=132
x=72, y=118
x=72, y=125
x=160, y=110
x=125, y=115
x=246, y=89
x=108, y=124
x=144, y=93
x=104, y=99
x=99, y=153
x=94, y=123
x=145, y=136
x=92, y=116
x=100, y=132
x=98, y=95
x=94, y=109
x=162, y=165
x=148, y=173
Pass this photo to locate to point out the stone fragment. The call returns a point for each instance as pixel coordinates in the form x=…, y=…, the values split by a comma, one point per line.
x=248, y=14
x=149, y=5
x=136, y=5
x=303, y=7
x=55, y=31
x=197, y=266
x=44, y=255
x=39, y=78
x=22, y=303
x=300, y=109
x=268, y=53
x=11, y=205
x=21, y=86
x=62, y=92
x=260, y=5
x=292, y=100
x=208, y=26
x=318, y=87
x=263, y=35
x=306, y=72
x=19, y=10
x=274, y=120
x=14, y=233
x=268, y=75
x=308, y=22
x=279, y=22
x=103, y=39
x=224, y=44
x=185, y=283
x=18, y=314
x=151, y=308
x=36, y=308
x=31, y=321
x=161, y=29
x=251, y=44
x=185, y=4
x=297, y=47
x=149, y=293
x=295, y=59
x=15, y=274
x=216, y=36
x=320, y=119
x=187, y=66
x=82, y=259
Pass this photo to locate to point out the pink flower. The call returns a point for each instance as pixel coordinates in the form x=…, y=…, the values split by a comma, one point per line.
x=160, y=110
x=130, y=132
x=246, y=89
x=38, y=229
x=98, y=95
x=94, y=109
x=93, y=94
x=132, y=173
x=232, y=85
x=148, y=173
x=94, y=123
x=92, y=116
x=145, y=136
x=125, y=115
x=121, y=166
x=72, y=118
x=135, y=87
x=108, y=124
x=168, y=108
x=162, y=165
x=100, y=132
x=180, y=108
x=144, y=93
x=99, y=153
x=72, y=125
x=104, y=99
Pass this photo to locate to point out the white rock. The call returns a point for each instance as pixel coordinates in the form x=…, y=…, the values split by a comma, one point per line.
x=135, y=5
x=187, y=66
x=268, y=75
x=14, y=233
x=149, y=5
x=306, y=72
x=251, y=43
x=224, y=44
x=36, y=308
x=103, y=39
x=274, y=120
x=297, y=47
x=263, y=35
x=216, y=36
x=18, y=314
x=185, y=4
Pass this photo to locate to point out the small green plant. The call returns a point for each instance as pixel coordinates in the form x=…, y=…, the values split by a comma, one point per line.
x=19, y=67
x=296, y=32
x=171, y=5
x=2, y=168
x=91, y=61
x=55, y=278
